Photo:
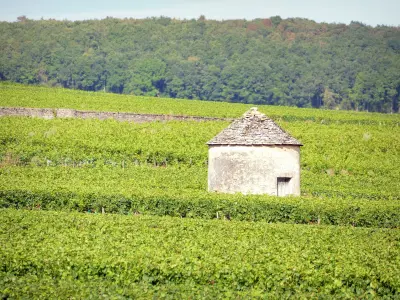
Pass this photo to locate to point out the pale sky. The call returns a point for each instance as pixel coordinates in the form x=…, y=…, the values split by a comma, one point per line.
x=370, y=12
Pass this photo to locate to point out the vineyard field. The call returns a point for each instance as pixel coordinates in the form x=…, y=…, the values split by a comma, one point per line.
x=180, y=193
x=77, y=255
x=346, y=160
x=17, y=95
x=108, y=209
x=160, y=168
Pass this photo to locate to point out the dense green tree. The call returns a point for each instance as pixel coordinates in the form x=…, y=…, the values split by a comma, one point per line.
x=263, y=61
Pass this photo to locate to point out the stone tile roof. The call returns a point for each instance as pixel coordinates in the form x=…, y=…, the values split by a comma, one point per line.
x=254, y=128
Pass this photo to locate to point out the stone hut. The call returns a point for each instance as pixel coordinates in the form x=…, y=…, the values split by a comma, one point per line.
x=254, y=156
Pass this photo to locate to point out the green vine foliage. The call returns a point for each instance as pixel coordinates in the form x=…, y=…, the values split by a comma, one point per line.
x=107, y=209
x=160, y=168
x=70, y=255
x=18, y=95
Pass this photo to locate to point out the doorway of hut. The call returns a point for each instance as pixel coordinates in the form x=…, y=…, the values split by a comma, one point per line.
x=283, y=187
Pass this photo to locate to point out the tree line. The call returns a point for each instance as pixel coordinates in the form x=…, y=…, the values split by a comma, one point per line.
x=295, y=62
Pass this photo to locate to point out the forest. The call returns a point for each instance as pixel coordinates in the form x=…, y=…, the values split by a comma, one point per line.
x=273, y=61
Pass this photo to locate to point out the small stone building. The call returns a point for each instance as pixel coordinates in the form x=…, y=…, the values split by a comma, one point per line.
x=254, y=156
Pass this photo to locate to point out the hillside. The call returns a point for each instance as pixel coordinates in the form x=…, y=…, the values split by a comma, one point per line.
x=18, y=95
x=295, y=62
x=106, y=209
x=348, y=156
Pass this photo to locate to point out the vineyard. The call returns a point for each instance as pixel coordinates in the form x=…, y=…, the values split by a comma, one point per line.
x=90, y=207
x=16, y=95
x=76, y=256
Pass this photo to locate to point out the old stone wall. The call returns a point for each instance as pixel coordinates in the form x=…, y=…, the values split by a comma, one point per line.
x=46, y=113
x=49, y=113
x=254, y=169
